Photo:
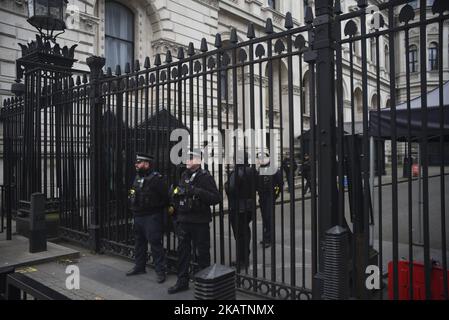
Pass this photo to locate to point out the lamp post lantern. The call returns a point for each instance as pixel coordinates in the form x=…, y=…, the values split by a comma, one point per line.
x=47, y=15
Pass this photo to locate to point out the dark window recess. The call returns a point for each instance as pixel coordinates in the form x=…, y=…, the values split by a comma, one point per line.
x=119, y=35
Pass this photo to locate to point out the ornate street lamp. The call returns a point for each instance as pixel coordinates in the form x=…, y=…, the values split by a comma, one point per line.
x=47, y=15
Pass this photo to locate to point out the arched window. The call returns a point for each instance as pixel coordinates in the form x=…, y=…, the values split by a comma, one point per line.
x=356, y=46
x=374, y=102
x=224, y=85
x=387, y=59
x=413, y=58
x=373, y=50
x=280, y=81
x=226, y=75
x=388, y=104
x=272, y=4
x=306, y=93
x=119, y=35
x=358, y=104
x=433, y=56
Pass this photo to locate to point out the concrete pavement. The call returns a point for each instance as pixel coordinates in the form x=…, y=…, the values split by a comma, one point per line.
x=102, y=277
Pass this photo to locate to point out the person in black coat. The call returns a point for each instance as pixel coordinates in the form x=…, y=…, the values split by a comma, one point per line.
x=306, y=173
x=148, y=202
x=269, y=188
x=286, y=166
x=240, y=189
x=192, y=198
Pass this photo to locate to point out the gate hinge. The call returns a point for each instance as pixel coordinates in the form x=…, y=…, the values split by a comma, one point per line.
x=320, y=20
x=310, y=56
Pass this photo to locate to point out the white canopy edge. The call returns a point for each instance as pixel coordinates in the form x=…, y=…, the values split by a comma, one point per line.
x=433, y=99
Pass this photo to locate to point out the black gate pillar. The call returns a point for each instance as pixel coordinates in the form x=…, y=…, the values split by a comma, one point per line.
x=7, y=161
x=38, y=228
x=324, y=45
x=95, y=64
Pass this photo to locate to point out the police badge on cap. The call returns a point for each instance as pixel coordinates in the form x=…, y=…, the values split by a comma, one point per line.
x=144, y=157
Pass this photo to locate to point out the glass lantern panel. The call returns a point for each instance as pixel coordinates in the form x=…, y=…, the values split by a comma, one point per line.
x=41, y=7
x=55, y=8
x=30, y=9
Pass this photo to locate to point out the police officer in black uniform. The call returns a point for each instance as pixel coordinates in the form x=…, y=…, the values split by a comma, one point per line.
x=239, y=189
x=192, y=199
x=269, y=188
x=306, y=173
x=286, y=165
x=148, y=199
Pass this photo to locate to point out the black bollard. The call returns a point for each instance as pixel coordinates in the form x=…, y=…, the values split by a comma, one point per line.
x=335, y=280
x=38, y=229
x=215, y=283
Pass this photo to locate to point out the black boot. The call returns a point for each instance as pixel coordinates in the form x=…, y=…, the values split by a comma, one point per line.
x=135, y=272
x=265, y=244
x=161, y=277
x=178, y=287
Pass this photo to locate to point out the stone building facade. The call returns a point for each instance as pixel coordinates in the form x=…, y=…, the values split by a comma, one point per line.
x=131, y=30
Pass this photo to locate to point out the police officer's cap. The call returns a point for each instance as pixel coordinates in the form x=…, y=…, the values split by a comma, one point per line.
x=263, y=155
x=144, y=157
x=195, y=154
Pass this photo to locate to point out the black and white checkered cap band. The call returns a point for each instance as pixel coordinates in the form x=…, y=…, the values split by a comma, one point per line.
x=143, y=158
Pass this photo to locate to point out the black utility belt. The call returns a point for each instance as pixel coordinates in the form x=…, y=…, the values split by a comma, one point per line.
x=149, y=212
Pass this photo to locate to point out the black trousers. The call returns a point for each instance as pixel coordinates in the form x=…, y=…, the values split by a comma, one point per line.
x=307, y=186
x=290, y=181
x=266, y=202
x=199, y=235
x=240, y=222
x=149, y=229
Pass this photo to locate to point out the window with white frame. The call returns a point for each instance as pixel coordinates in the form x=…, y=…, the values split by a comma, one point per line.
x=433, y=56
x=119, y=35
x=273, y=4
x=413, y=58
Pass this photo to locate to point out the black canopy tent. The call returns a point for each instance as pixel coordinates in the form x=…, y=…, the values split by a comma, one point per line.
x=380, y=122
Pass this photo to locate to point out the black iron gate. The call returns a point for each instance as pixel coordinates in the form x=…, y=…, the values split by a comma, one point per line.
x=387, y=28
x=75, y=139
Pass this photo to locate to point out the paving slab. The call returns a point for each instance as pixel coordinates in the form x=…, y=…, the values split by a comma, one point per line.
x=16, y=253
x=103, y=277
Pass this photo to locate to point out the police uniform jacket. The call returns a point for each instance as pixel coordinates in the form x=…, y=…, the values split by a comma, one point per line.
x=202, y=188
x=267, y=183
x=306, y=169
x=148, y=194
